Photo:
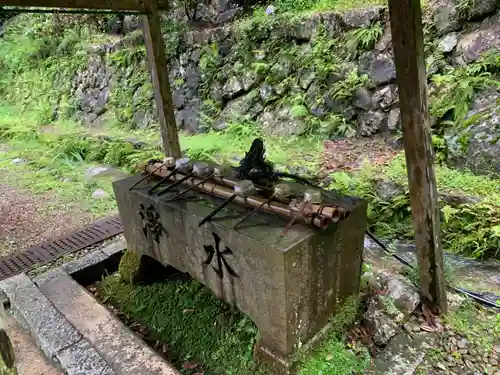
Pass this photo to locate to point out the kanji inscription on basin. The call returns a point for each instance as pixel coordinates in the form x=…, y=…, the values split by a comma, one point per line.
x=220, y=258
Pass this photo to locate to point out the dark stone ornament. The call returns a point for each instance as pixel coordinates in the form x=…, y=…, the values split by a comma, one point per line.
x=151, y=222
x=221, y=261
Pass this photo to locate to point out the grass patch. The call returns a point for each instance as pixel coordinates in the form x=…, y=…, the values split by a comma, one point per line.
x=197, y=327
x=66, y=181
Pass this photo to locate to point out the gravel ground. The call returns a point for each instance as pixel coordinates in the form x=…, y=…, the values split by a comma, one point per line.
x=27, y=219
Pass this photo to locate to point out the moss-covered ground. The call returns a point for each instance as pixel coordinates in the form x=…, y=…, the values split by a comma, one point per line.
x=200, y=330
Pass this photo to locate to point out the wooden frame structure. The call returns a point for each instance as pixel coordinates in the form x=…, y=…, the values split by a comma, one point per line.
x=407, y=38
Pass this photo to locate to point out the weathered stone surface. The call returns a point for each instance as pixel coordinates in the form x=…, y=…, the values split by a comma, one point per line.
x=384, y=44
x=445, y=15
x=29, y=358
x=387, y=189
x=381, y=323
x=402, y=356
x=394, y=120
x=96, y=172
x=483, y=8
x=90, y=88
x=305, y=29
x=82, y=359
x=379, y=67
x=273, y=279
x=474, y=43
x=116, y=344
x=245, y=107
x=306, y=77
x=477, y=146
x=232, y=88
x=189, y=118
x=18, y=161
x=99, y=194
x=370, y=123
x=448, y=42
x=52, y=332
x=361, y=17
x=362, y=99
x=405, y=296
x=266, y=92
x=281, y=122
x=332, y=24
x=79, y=264
x=458, y=199
x=115, y=247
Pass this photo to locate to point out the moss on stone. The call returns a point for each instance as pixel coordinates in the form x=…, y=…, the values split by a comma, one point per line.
x=129, y=266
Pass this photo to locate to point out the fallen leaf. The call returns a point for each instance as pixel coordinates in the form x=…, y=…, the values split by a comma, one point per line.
x=329, y=357
x=190, y=365
x=185, y=311
x=427, y=328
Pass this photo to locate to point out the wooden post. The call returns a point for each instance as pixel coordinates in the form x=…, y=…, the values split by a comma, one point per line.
x=155, y=48
x=407, y=40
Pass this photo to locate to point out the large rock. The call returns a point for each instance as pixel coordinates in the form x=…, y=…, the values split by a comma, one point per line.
x=232, y=88
x=445, y=15
x=362, y=17
x=477, y=146
x=449, y=15
x=281, y=122
x=379, y=67
x=245, y=107
x=386, y=97
x=387, y=190
x=380, y=322
x=370, y=123
x=448, y=42
x=306, y=28
x=482, y=8
x=91, y=88
x=482, y=38
x=189, y=117
x=362, y=99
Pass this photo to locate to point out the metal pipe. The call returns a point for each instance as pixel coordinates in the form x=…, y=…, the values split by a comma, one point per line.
x=318, y=218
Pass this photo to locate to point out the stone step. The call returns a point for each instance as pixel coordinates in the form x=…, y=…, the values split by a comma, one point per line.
x=57, y=338
x=73, y=330
x=126, y=353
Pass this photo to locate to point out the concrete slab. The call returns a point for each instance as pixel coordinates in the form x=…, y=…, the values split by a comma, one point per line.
x=29, y=359
x=120, y=347
x=115, y=247
x=86, y=261
x=48, y=327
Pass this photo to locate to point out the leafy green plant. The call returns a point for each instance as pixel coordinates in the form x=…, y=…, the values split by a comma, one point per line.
x=456, y=86
x=363, y=38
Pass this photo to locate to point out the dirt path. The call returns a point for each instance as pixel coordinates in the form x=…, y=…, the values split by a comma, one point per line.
x=352, y=154
x=27, y=219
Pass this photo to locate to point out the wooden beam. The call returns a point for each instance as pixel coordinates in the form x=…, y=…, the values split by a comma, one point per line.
x=407, y=40
x=155, y=48
x=119, y=5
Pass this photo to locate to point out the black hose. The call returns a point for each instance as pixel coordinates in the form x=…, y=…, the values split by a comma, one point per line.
x=469, y=293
